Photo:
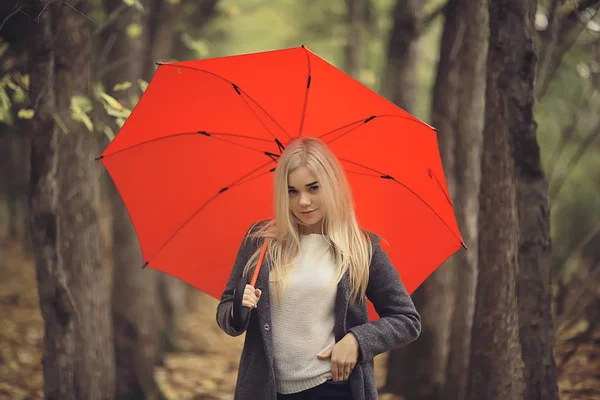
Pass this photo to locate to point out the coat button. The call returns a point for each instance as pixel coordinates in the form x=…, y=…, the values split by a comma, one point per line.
x=266, y=327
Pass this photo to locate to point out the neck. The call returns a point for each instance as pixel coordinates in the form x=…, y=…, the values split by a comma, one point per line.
x=307, y=230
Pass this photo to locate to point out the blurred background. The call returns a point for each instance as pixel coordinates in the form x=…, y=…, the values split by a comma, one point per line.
x=423, y=55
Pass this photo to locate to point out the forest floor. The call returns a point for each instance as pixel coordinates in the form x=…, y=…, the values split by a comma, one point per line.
x=207, y=366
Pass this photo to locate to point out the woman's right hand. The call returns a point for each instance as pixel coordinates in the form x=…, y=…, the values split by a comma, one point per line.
x=251, y=297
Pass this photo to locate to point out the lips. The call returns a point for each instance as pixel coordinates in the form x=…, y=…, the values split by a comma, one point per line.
x=307, y=212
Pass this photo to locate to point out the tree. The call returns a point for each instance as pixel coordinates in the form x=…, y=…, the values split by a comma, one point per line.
x=496, y=367
x=78, y=359
x=467, y=164
x=399, y=75
x=136, y=309
x=534, y=274
x=417, y=370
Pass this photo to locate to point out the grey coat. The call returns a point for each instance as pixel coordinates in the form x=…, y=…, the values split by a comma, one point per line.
x=398, y=325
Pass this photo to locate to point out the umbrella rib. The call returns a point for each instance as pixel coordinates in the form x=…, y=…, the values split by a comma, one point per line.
x=239, y=92
x=235, y=183
x=391, y=178
x=309, y=78
x=204, y=133
x=365, y=121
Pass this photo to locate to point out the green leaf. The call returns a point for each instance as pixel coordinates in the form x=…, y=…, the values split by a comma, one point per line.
x=143, y=84
x=4, y=99
x=122, y=86
x=112, y=102
x=3, y=48
x=19, y=95
x=26, y=113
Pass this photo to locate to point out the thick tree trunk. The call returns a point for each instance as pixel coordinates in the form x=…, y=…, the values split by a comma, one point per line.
x=399, y=80
x=78, y=358
x=467, y=159
x=534, y=277
x=136, y=308
x=496, y=368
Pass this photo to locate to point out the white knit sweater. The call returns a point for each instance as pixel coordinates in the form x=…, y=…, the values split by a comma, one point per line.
x=303, y=322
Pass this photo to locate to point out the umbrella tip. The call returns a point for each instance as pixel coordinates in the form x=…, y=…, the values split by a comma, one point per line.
x=145, y=264
x=98, y=158
x=463, y=244
x=303, y=46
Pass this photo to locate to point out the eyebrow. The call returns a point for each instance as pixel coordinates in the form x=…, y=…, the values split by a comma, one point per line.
x=310, y=184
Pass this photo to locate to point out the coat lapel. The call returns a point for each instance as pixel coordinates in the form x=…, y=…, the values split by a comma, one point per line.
x=341, y=306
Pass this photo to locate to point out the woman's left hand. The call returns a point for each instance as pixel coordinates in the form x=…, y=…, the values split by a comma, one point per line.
x=344, y=356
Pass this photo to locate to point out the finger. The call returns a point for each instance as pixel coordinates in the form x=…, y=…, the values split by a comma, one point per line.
x=258, y=293
x=335, y=371
x=251, y=298
x=347, y=372
x=324, y=356
x=249, y=290
x=247, y=304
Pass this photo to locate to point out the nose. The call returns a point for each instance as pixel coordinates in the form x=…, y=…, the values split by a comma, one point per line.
x=304, y=200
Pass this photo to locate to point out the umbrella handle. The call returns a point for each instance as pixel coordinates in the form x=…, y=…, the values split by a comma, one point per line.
x=241, y=314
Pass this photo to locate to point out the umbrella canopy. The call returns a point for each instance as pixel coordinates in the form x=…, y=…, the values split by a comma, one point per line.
x=194, y=161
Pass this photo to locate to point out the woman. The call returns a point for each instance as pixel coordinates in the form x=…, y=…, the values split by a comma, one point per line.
x=308, y=335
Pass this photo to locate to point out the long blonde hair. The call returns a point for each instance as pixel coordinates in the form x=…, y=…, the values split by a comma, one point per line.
x=351, y=245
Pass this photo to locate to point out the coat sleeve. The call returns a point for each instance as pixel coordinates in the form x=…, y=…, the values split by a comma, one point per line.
x=399, y=322
x=224, y=318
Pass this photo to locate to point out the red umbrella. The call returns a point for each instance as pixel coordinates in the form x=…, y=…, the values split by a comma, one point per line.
x=194, y=161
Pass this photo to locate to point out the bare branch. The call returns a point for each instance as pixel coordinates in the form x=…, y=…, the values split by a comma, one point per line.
x=571, y=31
x=584, y=146
x=568, y=132
x=15, y=10
x=116, y=64
x=111, y=18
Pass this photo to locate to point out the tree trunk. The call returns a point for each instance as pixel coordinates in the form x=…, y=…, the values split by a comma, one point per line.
x=467, y=159
x=417, y=370
x=534, y=276
x=136, y=308
x=78, y=359
x=353, y=50
x=399, y=81
x=496, y=368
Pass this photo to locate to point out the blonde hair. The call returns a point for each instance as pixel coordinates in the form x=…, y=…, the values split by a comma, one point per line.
x=351, y=245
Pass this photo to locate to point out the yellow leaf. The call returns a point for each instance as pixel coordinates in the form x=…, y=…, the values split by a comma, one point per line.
x=112, y=102
x=109, y=133
x=122, y=86
x=26, y=113
x=134, y=31
x=79, y=115
x=143, y=84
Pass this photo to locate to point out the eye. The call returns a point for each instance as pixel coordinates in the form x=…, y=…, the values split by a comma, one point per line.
x=314, y=188
x=292, y=191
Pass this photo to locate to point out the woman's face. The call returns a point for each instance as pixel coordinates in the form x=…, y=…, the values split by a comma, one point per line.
x=305, y=199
